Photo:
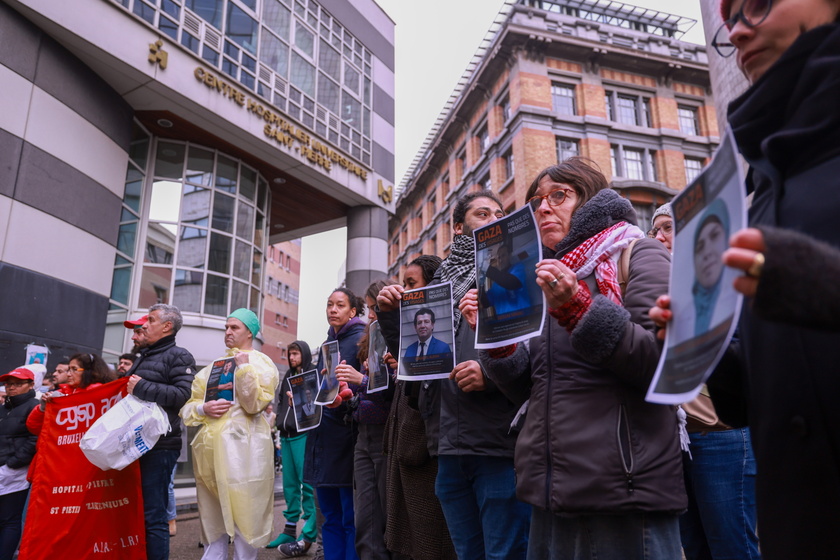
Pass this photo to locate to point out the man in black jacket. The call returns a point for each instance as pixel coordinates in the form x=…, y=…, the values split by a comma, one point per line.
x=162, y=374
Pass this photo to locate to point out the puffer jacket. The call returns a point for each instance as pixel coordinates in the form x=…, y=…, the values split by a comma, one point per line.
x=167, y=371
x=17, y=444
x=591, y=444
x=329, y=447
x=285, y=416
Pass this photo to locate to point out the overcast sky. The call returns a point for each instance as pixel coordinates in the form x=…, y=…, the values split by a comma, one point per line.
x=435, y=40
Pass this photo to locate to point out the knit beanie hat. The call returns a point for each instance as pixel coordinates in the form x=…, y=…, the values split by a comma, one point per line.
x=248, y=318
x=664, y=210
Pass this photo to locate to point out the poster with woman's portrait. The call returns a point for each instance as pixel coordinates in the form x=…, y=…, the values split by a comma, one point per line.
x=304, y=387
x=511, y=306
x=704, y=302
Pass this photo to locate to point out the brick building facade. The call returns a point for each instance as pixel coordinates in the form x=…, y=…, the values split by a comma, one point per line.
x=558, y=78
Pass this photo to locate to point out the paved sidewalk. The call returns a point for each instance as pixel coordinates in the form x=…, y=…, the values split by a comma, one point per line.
x=184, y=545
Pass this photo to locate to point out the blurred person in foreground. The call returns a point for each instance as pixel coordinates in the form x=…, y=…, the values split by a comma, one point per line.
x=780, y=377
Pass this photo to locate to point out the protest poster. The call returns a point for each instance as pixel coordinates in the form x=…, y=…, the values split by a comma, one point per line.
x=427, y=336
x=220, y=381
x=304, y=387
x=36, y=354
x=511, y=306
x=704, y=303
x=378, y=376
x=73, y=504
x=329, y=383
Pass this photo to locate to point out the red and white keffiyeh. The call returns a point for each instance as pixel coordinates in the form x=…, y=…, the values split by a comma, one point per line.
x=601, y=253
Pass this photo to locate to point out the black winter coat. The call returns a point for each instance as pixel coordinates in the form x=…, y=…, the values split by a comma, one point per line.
x=167, y=371
x=17, y=445
x=330, y=446
x=591, y=444
x=285, y=415
x=786, y=378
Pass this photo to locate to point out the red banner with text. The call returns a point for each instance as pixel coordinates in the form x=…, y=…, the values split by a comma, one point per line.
x=77, y=510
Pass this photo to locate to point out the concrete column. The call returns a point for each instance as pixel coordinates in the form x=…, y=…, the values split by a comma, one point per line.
x=367, y=246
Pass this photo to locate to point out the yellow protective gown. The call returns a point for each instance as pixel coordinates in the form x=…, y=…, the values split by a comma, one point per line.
x=234, y=455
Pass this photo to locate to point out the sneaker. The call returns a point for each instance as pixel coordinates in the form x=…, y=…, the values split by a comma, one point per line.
x=295, y=549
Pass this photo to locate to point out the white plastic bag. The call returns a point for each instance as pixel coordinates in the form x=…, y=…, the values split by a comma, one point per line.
x=126, y=431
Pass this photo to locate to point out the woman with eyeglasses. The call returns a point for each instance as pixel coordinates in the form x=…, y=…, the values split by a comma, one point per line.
x=86, y=371
x=600, y=467
x=782, y=378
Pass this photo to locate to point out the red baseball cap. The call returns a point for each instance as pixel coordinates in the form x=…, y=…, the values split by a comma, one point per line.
x=19, y=373
x=136, y=323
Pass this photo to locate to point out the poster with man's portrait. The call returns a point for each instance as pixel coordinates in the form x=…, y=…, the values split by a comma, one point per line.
x=511, y=305
x=329, y=383
x=304, y=387
x=220, y=381
x=427, y=335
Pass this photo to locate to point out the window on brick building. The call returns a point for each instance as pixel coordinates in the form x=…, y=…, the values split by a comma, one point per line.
x=693, y=166
x=632, y=163
x=278, y=319
x=444, y=186
x=563, y=98
x=688, y=120
x=461, y=164
x=628, y=108
x=485, y=182
x=431, y=205
x=483, y=139
x=509, y=165
x=566, y=148
x=505, y=105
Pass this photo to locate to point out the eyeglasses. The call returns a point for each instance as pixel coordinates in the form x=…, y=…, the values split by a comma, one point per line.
x=74, y=369
x=554, y=198
x=666, y=228
x=17, y=383
x=752, y=13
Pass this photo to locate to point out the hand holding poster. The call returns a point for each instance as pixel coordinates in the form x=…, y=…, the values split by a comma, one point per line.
x=378, y=375
x=304, y=387
x=511, y=306
x=427, y=336
x=704, y=303
x=220, y=381
x=73, y=504
x=329, y=383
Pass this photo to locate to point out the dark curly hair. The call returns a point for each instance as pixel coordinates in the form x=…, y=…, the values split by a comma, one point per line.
x=95, y=370
x=428, y=264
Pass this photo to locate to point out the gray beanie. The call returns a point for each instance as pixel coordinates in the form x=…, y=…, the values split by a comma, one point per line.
x=664, y=210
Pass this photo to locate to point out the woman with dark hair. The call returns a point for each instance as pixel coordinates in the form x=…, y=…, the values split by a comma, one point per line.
x=329, y=447
x=370, y=413
x=781, y=378
x=416, y=527
x=599, y=465
x=86, y=371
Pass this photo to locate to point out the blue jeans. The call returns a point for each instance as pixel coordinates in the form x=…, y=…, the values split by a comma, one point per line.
x=338, y=532
x=720, y=481
x=640, y=536
x=171, y=510
x=156, y=472
x=478, y=498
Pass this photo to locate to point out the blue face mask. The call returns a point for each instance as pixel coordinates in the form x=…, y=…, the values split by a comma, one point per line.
x=43, y=389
